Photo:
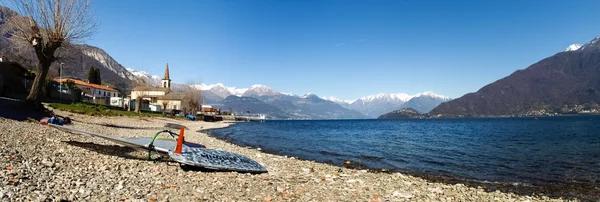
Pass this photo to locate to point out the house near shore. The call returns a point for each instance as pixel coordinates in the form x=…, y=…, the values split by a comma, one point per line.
x=210, y=113
x=93, y=93
x=209, y=109
x=157, y=98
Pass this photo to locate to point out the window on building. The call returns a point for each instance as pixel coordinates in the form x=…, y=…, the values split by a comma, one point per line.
x=99, y=92
x=154, y=100
x=104, y=93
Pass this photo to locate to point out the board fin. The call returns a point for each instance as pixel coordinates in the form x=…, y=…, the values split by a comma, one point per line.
x=179, y=141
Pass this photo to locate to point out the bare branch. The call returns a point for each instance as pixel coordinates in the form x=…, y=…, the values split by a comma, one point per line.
x=192, y=98
x=47, y=25
x=55, y=21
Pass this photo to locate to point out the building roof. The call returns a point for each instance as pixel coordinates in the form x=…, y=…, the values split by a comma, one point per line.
x=83, y=83
x=150, y=88
x=172, y=96
x=167, y=73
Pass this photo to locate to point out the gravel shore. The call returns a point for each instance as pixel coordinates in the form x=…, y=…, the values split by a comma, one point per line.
x=39, y=162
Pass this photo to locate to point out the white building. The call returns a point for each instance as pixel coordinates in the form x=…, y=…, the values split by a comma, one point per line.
x=99, y=94
x=159, y=96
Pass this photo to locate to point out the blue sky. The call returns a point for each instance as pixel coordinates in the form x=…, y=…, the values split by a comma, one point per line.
x=342, y=48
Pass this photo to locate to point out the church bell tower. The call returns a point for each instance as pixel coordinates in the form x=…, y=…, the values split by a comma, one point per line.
x=166, y=81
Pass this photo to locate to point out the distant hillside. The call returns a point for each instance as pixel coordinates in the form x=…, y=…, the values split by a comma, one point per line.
x=425, y=102
x=323, y=109
x=308, y=106
x=569, y=79
x=404, y=113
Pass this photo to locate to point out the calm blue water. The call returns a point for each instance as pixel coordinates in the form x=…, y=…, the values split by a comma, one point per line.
x=526, y=150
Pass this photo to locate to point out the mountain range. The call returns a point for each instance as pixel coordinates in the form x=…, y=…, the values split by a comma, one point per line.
x=375, y=105
x=78, y=59
x=568, y=81
x=311, y=106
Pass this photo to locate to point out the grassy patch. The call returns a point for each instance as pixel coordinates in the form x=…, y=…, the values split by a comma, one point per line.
x=98, y=110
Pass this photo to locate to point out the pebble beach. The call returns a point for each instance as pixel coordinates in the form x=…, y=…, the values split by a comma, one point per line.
x=39, y=163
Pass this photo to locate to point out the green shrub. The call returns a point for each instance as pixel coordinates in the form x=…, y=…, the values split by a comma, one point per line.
x=98, y=110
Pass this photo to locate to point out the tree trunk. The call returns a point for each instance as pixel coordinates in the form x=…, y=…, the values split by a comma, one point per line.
x=45, y=57
x=138, y=104
x=36, y=93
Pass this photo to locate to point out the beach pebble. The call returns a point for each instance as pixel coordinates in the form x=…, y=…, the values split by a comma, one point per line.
x=47, y=163
x=399, y=194
x=435, y=190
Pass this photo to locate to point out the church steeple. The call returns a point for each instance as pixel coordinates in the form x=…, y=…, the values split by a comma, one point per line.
x=167, y=73
x=166, y=81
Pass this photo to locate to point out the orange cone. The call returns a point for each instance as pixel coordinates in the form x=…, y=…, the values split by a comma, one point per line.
x=179, y=142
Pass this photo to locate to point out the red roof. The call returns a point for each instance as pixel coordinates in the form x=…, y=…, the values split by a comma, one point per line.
x=83, y=83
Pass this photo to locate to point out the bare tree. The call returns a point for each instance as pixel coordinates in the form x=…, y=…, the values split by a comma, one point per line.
x=139, y=100
x=192, y=99
x=164, y=104
x=48, y=25
x=139, y=94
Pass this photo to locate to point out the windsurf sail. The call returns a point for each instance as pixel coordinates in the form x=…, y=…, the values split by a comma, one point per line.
x=179, y=150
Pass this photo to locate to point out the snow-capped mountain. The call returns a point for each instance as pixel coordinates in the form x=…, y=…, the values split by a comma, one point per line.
x=573, y=47
x=339, y=101
x=260, y=90
x=432, y=95
x=307, y=95
x=392, y=97
x=152, y=80
x=376, y=105
x=222, y=90
x=594, y=44
x=425, y=102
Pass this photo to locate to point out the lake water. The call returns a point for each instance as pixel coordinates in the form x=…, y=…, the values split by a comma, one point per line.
x=522, y=150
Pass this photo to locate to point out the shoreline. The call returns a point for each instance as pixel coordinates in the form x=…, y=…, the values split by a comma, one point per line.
x=529, y=187
x=46, y=163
